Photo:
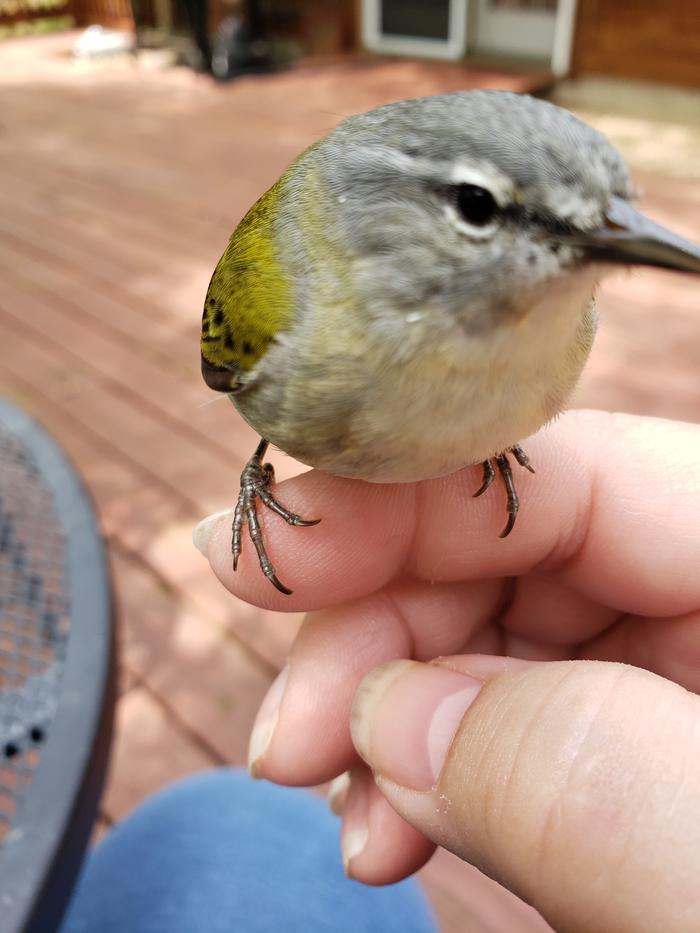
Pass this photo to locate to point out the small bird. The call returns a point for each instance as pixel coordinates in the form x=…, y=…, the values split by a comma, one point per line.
x=416, y=292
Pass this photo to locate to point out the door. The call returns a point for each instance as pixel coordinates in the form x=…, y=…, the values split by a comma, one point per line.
x=525, y=28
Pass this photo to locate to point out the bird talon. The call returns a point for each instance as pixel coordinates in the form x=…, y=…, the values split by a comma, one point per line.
x=305, y=522
x=506, y=474
x=256, y=480
x=278, y=585
x=510, y=524
x=486, y=479
x=522, y=457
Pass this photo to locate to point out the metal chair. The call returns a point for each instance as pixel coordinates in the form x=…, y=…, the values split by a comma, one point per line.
x=56, y=674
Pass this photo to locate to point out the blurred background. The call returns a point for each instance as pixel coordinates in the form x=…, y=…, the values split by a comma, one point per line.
x=133, y=138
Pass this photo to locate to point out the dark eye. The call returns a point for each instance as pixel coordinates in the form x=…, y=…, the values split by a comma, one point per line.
x=475, y=205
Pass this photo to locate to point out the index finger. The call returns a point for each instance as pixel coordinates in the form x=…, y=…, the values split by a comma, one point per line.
x=613, y=507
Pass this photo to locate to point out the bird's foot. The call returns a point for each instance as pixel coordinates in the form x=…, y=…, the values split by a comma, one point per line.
x=503, y=465
x=256, y=479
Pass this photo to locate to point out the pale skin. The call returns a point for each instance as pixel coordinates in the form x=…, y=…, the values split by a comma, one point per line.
x=575, y=784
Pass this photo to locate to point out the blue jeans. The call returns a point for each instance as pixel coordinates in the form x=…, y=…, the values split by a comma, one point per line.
x=219, y=853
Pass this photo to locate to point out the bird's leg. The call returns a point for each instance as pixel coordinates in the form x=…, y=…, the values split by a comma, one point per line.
x=256, y=479
x=506, y=473
x=512, y=500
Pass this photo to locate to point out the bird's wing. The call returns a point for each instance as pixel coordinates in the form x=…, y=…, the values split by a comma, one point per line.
x=249, y=300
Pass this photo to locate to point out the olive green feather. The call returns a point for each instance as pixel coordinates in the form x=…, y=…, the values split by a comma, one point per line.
x=249, y=299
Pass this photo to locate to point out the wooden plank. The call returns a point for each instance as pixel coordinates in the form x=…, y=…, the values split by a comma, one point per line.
x=149, y=751
x=78, y=204
x=172, y=395
x=151, y=523
x=157, y=411
x=172, y=459
x=174, y=648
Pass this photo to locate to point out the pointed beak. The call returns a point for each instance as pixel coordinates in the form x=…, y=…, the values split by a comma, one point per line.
x=629, y=238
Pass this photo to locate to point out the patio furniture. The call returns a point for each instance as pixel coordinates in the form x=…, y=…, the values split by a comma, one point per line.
x=56, y=674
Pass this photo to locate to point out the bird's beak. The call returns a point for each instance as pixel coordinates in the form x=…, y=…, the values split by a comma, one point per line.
x=629, y=238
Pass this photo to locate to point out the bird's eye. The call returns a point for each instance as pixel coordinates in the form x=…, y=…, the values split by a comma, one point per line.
x=475, y=205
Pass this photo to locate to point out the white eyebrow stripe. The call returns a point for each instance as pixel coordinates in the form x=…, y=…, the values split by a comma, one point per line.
x=500, y=186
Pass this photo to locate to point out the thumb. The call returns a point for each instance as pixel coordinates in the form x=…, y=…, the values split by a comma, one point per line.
x=575, y=784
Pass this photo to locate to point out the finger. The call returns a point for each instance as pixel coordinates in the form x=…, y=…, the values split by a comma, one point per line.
x=516, y=647
x=302, y=734
x=669, y=647
x=378, y=845
x=573, y=784
x=604, y=509
x=545, y=610
x=337, y=793
x=443, y=617
x=359, y=545
x=380, y=851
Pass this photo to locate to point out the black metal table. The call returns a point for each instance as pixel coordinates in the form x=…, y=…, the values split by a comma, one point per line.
x=56, y=674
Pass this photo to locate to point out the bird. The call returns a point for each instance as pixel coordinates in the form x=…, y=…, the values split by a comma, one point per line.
x=416, y=293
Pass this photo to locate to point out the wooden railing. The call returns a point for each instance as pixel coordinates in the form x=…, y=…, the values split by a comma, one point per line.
x=115, y=14
x=25, y=16
x=17, y=16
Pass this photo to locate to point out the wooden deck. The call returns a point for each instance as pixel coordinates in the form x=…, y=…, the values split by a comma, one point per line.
x=120, y=185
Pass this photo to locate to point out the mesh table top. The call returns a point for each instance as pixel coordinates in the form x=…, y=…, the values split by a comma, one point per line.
x=34, y=621
x=56, y=674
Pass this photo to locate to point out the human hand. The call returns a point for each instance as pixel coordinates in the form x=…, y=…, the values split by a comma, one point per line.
x=575, y=784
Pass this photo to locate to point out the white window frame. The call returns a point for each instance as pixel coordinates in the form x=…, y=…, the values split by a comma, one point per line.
x=454, y=47
x=564, y=30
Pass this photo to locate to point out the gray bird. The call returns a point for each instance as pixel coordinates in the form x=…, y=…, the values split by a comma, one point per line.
x=416, y=292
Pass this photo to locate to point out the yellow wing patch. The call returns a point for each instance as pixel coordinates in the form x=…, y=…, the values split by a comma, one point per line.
x=249, y=300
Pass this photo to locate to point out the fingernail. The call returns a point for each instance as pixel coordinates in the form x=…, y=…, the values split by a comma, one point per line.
x=265, y=722
x=337, y=792
x=355, y=831
x=405, y=716
x=202, y=531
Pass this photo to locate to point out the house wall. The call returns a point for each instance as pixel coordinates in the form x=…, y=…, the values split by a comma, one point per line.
x=655, y=40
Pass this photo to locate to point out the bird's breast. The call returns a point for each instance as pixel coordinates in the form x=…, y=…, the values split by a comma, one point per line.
x=424, y=403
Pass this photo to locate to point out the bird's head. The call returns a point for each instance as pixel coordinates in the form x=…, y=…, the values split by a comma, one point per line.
x=473, y=201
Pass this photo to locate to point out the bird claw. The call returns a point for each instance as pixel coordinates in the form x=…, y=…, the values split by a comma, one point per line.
x=487, y=478
x=256, y=479
x=506, y=474
x=510, y=524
